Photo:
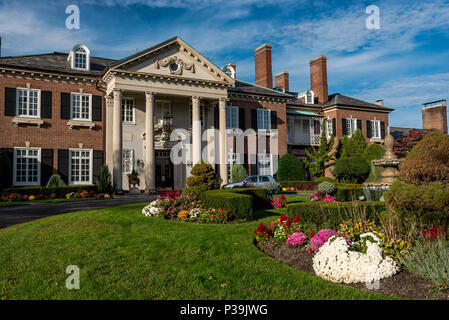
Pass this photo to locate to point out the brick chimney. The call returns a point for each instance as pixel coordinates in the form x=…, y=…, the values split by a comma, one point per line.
x=434, y=116
x=380, y=102
x=318, y=78
x=281, y=80
x=262, y=58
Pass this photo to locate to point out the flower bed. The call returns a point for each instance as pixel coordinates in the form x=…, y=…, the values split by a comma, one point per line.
x=38, y=193
x=185, y=208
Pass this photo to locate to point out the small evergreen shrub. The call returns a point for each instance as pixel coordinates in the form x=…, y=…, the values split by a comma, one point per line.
x=240, y=205
x=104, y=180
x=373, y=152
x=272, y=187
x=55, y=181
x=238, y=173
x=317, y=181
x=259, y=196
x=428, y=161
x=351, y=170
x=203, y=176
x=291, y=168
x=355, y=145
x=326, y=187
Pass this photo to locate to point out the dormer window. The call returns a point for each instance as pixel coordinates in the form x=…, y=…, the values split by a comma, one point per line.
x=309, y=97
x=80, y=57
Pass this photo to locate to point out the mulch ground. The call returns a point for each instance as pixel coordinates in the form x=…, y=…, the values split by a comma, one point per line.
x=403, y=284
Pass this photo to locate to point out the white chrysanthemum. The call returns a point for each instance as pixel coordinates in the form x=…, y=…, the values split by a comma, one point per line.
x=335, y=262
x=151, y=210
x=195, y=213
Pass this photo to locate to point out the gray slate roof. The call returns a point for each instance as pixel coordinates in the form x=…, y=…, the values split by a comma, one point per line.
x=55, y=62
x=250, y=88
x=338, y=99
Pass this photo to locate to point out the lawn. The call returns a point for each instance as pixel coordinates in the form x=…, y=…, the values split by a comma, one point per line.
x=124, y=255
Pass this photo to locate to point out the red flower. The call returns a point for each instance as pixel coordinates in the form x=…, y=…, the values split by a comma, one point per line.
x=312, y=234
x=297, y=219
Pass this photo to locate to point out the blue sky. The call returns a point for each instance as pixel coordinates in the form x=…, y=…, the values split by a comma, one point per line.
x=405, y=62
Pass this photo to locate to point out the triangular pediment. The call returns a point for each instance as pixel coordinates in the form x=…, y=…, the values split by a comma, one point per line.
x=173, y=58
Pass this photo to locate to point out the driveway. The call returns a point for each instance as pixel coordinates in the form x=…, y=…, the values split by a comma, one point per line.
x=12, y=215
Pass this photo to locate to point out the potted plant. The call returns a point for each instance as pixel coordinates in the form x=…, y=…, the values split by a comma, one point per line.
x=133, y=179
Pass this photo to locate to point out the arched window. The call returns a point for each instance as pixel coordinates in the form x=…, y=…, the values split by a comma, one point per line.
x=80, y=56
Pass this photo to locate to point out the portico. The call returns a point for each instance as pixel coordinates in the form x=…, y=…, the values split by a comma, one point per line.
x=170, y=81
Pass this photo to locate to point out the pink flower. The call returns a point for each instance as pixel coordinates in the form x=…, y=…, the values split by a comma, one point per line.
x=321, y=238
x=296, y=239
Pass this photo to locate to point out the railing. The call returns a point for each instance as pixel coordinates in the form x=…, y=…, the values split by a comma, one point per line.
x=304, y=139
x=434, y=103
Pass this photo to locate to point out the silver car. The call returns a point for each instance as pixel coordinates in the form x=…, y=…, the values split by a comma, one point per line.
x=251, y=182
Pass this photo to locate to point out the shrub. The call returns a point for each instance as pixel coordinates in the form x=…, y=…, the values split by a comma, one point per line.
x=203, y=176
x=373, y=152
x=272, y=187
x=355, y=145
x=349, y=192
x=5, y=169
x=104, y=180
x=296, y=184
x=419, y=204
x=332, y=214
x=55, y=181
x=317, y=181
x=192, y=192
x=240, y=205
x=351, y=169
x=428, y=161
x=238, y=173
x=326, y=187
x=259, y=196
x=406, y=141
x=429, y=260
x=291, y=168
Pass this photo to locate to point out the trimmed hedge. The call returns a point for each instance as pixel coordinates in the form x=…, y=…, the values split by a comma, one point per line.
x=293, y=184
x=331, y=214
x=348, y=193
x=259, y=196
x=36, y=190
x=241, y=205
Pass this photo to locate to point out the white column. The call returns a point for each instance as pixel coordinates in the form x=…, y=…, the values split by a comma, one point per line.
x=223, y=153
x=117, y=140
x=196, y=130
x=149, y=143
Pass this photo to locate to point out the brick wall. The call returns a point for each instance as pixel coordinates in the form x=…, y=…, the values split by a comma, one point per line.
x=55, y=133
x=435, y=117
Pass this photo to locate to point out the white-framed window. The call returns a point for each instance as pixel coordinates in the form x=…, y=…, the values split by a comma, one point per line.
x=28, y=102
x=233, y=158
x=375, y=129
x=351, y=126
x=329, y=128
x=80, y=57
x=27, y=166
x=128, y=110
x=127, y=161
x=264, y=164
x=81, y=106
x=80, y=166
x=162, y=108
x=263, y=119
x=232, y=117
x=309, y=97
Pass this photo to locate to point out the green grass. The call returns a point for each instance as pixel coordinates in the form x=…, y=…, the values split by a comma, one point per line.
x=294, y=198
x=124, y=255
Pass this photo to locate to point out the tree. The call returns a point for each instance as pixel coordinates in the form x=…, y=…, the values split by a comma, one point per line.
x=406, y=141
x=238, y=173
x=104, y=180
x=355, y=145
x=428, y=161
x=341, y=146
x=322, y=158
x=203, y=176
x=290, y=168
x=373, y=152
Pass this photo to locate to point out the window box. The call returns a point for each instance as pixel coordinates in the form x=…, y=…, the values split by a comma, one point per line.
x=30, y=121
x=80, y=123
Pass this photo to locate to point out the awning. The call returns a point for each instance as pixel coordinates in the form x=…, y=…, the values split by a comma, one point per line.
x=303, y=113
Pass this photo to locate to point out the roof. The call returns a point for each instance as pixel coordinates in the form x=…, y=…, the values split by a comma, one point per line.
x=250, y=88
x=303, y=113
x=301, y=103
x=56, y=62
x=338, y=99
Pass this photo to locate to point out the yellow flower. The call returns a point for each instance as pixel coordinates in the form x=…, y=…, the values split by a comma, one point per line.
x=183, y=214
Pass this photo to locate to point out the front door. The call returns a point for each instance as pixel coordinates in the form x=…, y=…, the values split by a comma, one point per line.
x=164, y=169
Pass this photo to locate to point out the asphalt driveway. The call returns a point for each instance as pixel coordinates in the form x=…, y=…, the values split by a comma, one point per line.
x=12, y=215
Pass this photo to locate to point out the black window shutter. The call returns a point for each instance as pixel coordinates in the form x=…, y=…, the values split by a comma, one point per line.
x=253, y=164
x=245, y=162
x=6, y=177
x=359, y=124
x=46, y=104
x=274, y=120
x=96, y=108
x=382, y=130
x=65, y=106
x=334, y=126
x=369, y=133
x=46, y=165
x=63, y=165
x=254, y=119
x=98, y=163
x=343, y=127
x=10, y=102
x=242, y=119
x=216, y=117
